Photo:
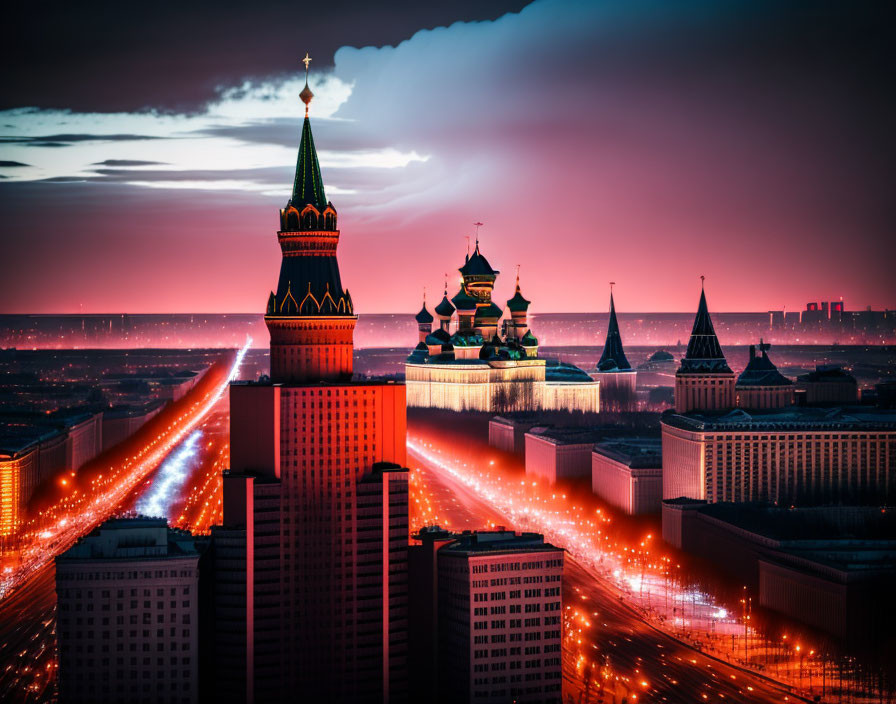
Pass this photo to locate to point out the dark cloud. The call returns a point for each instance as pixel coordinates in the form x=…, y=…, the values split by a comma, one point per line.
x=12, y=163
x=173, y=55
x=127, y=162
x=65, y=140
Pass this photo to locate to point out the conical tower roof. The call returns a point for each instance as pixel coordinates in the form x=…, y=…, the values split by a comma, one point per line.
x=613, y=357
x=704, y=352
x=308, y=186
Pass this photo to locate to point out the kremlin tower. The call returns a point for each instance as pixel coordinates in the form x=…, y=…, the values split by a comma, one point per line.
x=310, y=562
x=310, y=318
x=704, y=381
x=616, y=376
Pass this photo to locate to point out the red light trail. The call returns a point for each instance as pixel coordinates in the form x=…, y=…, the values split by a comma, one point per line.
x=642, y=590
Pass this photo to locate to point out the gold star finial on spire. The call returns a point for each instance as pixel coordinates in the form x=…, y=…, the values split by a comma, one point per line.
x=306, y=95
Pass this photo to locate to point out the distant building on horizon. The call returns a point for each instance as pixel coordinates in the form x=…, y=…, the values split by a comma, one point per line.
x=128, y=615
x=488, y=617
x=827, y=385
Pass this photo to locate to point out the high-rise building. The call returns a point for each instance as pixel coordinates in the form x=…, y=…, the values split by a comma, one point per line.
x=785, y=455
x=704, y=381
x=614, y=373
x=311, y=559
x=487, y=616
x=128, y=615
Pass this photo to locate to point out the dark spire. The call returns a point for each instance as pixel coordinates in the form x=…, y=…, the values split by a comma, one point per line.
x=704, y=351
x=308, y=187
x=613, y=357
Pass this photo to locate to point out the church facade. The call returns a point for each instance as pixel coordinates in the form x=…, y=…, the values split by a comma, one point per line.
x=480, y=358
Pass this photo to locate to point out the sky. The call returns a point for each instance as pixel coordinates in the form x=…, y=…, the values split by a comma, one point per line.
x=144, y=157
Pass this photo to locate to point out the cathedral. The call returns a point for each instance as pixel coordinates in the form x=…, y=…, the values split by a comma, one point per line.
x=476, y=361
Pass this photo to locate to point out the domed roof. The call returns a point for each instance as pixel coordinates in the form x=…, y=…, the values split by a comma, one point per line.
x=529, y=340
x=760, y=371
x=489, y=312
x=445, y=309
x=463, y=301
x=477, y=265
x=424, y=316
x=561, y=371
x=661, y=356
x=437, y=337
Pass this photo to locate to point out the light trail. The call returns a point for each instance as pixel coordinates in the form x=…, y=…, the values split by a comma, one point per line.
x=172, y=474
x=56, y=528
x=636, y=573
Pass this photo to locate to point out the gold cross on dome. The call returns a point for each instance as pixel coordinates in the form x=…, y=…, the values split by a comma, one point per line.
x=306, y=61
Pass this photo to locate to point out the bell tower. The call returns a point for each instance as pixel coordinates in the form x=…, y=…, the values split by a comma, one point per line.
x=310, y=317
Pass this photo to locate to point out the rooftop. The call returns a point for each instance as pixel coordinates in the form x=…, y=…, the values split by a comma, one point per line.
x=128, y=538
x=497, y=542
x=635, y=452
x=792, y=418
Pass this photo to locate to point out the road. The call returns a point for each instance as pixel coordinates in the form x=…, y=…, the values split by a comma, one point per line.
x=611, y=653
x=28, y=611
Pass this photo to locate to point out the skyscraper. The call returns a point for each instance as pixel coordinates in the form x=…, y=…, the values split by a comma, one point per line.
x=704, y=381
x=311, y=559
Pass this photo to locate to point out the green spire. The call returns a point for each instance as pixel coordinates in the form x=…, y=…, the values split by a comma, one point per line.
x=308, y=187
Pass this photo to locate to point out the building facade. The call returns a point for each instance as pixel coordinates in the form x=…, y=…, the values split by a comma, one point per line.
x=628, y=473
x=128, y=615
x=498, y=617
x=790, y=455
x=311, y=559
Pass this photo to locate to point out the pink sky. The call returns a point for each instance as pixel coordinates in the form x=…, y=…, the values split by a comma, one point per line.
x=643, y=152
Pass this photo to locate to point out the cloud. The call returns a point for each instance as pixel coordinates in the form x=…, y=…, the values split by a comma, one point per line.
x=60, y=140
x=11, y=164
x=641, y=142
x=127, y=162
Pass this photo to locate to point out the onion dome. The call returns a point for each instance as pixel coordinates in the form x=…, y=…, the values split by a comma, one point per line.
x=704, y=353
x=445, y=309
x=760, y=371
x=518, y=304
x=488, y=312
x=463, y=301
x=438, y=337
x=424, y=316
x=529, y=340
x=477, y=265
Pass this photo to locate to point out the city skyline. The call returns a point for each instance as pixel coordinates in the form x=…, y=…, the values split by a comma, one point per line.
x=707, y=138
